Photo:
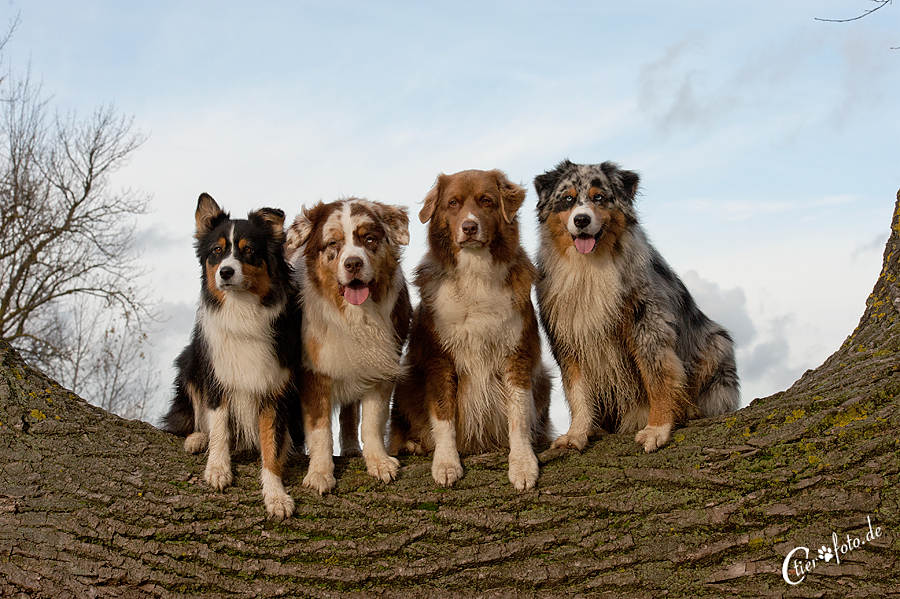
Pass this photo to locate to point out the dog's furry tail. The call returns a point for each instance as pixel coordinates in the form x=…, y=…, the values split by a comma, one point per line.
x=723, y=395
x=722, y=392
x=541, y=387
x=180, y=418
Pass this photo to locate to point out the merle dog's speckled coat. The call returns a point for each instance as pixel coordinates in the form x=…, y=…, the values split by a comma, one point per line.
x=635, y=351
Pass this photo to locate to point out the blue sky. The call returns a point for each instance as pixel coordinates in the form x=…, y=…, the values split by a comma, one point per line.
x=767, y=141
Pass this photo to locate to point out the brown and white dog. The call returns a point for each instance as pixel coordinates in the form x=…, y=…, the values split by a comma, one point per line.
x=475, y=382
x=636, y=353
x=356, y=312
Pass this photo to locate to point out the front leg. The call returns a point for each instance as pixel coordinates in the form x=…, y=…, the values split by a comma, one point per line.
x=375, y=405
x=273, y=443
x=446, y=468
x=218, y=464
x=441, y=386
x=663, y=380
x=662, y=375
x=317, y=425
x=523, y=464
x=581, y=407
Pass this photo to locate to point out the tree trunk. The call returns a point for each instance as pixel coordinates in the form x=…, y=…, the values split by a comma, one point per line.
x=92, y=505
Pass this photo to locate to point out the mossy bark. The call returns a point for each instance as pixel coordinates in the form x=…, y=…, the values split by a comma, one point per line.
x=95, y=506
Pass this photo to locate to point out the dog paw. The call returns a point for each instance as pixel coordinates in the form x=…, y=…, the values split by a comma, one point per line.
x=446, y=473
x=320, y=482
x=218, y=475
x=385, y=469
x=351, y=452
x=653, y=437
x=693, y=412
x=570, y=441
x=279, y=506
x=523, y=471
x=196, y=442
x=412, y=448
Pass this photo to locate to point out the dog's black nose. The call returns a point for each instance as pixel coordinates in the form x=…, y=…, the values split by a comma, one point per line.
x=470, y=228
x=582, y=220
x=226, y=272
x=353, y=264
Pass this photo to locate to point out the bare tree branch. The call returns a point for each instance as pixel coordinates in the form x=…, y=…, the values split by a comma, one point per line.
x=68, y=260
x=881, y=4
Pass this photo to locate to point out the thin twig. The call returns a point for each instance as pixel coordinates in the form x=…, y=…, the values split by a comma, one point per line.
x=881, y=4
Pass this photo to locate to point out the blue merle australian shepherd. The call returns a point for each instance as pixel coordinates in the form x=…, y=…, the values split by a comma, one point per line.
x=235, y=387
x=636, y=353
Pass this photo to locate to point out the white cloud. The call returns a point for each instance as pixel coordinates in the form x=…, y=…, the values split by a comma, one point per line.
x=707, y=81
x=864, y=251
x=865, y=62
x=766, y=361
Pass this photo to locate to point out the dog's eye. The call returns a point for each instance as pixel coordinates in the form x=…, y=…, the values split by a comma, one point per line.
x=217, y=250
x=248, y=251
x=486, y=202
x=568, y=198
x=598, y=197
x=332, y=243
x=370, y=239
x=454, y=202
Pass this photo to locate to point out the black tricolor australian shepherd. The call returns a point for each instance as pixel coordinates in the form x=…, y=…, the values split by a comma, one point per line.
x=236, y=385
x=476, y=382
x=356, y=311
x=635, y=352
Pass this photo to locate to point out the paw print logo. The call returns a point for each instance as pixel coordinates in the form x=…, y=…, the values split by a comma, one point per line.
x=825, y=553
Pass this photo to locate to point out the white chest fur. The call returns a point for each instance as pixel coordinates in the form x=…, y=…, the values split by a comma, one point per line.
x=583, y=295
x=584, y=300
x=475, y=316
x=478, y=324
x=239, y=336
x=356, y=346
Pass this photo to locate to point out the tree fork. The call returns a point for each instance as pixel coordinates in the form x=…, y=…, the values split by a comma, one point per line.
x=92, y=505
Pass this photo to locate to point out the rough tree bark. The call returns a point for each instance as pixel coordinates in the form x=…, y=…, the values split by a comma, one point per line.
x=93, y=505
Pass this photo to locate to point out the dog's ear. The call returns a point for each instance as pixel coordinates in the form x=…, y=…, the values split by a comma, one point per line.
x=546, y=183
x=298, y=233
x=625, y=182
x=208, y=215
x=511, y=195
x=432, y=199
x=630, y=180
x=273, y=218
x=397, y=220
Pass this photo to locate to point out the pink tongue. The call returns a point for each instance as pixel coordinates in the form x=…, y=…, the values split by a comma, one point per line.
x=585, y=244
x=356, y=293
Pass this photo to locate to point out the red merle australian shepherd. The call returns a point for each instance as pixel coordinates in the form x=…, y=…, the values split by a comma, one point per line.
x=636, y=353
x=235, y=386
x=476, y=382
x=356, y=312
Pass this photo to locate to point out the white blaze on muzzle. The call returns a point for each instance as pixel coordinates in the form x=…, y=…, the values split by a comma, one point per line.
x=354, y=269
x=584, y=226
x=230, y=273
